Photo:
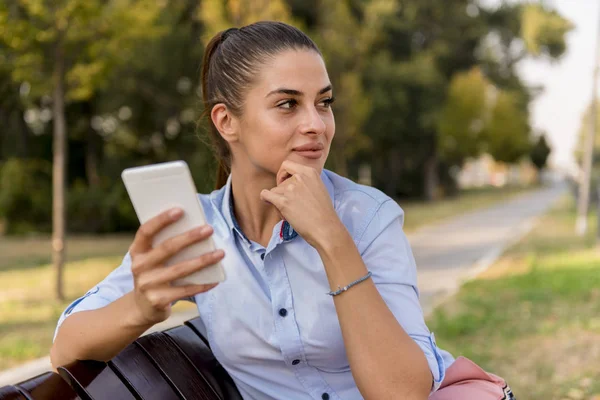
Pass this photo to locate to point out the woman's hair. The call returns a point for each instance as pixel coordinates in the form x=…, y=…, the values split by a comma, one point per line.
x=230, y=66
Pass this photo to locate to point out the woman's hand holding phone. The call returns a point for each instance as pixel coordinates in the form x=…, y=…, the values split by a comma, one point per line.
x=153, y=291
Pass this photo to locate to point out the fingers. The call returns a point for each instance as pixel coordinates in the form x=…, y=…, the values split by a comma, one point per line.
x=163, y=297
x=290, y=168
x=162, y=276
x=282, y=176
x=287, y=170
x=147, y=231
x=169, y=248
x=277, y=199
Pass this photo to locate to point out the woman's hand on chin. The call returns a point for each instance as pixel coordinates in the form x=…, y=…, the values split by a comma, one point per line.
x=303, y=200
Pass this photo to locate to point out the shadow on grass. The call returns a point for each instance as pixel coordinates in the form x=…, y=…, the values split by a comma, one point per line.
x=24, y=325
x=34, y=263
x=28, y=264
x=30, y=253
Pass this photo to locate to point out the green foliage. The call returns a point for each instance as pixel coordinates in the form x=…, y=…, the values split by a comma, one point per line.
x=100, y=209
x=508, y=131
x=93, y=35
x=544, y=30
x=218, y=15
x=465, y=116
x=25, y=195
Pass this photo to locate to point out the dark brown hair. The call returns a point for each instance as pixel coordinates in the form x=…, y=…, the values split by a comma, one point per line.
x=230, y=65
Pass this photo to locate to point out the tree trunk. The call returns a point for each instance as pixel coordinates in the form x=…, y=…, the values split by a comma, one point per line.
x=58, y=171
x=431, y=177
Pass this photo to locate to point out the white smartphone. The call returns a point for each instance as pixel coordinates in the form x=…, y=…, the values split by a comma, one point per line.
x=159, y=187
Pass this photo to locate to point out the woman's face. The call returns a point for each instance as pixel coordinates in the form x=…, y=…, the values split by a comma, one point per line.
x=287, y=114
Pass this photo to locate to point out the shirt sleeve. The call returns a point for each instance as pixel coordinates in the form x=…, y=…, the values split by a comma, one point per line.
x=118, y=283
x=115, y=285
x=387, y=254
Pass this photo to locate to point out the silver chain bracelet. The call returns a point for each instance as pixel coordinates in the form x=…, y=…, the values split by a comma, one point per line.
x=356, y=282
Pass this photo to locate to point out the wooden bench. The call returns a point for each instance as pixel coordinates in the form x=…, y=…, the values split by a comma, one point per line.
x=176, y=364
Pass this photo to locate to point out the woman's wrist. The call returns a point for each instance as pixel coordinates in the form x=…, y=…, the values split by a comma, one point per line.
x=330, y=237
x=135, y=317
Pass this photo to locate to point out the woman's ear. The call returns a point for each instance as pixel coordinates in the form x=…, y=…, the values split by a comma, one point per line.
x=225, y=122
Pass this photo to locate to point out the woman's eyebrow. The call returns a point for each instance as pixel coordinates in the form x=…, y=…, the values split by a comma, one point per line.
x=293, y=92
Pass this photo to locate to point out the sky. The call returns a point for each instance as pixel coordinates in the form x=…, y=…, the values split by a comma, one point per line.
x=568, y=82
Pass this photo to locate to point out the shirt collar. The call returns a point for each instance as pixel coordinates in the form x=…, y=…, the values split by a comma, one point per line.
x=227, y=210
x=286, y=233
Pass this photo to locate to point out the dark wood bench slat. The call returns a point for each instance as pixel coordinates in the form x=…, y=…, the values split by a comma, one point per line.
x=204, y=361
x=94, y=380
x=176, y=367
x=11, y=393
x=48, y=386
x=142, y=375
x=194, y=324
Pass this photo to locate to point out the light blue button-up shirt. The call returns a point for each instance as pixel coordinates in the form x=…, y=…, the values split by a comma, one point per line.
x=271, y=324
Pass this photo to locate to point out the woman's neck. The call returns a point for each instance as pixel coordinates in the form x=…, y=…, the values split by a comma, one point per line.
x=255, y=216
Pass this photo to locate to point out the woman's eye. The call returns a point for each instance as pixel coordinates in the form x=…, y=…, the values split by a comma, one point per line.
x=327, y=102
x=288, y=104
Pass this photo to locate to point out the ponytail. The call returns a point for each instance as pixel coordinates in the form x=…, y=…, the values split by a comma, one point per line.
x=220, y=147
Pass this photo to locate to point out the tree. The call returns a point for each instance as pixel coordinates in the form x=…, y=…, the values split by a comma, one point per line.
x=436, y=41
x=426, y=44
x=507, y=133
x=68, y=48
x=539, y=154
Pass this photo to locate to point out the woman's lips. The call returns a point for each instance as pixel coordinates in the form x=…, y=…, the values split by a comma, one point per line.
x=310, y=150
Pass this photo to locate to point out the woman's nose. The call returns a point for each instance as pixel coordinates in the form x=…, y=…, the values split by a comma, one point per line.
x=313, y=122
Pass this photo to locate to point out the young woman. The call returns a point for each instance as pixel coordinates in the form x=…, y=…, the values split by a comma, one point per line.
x=290, y=235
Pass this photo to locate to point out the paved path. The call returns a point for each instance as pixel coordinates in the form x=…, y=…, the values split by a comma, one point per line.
x=447, y=253
x=451, y=252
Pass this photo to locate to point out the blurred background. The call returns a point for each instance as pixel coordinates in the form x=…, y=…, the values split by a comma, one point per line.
x=474, y=115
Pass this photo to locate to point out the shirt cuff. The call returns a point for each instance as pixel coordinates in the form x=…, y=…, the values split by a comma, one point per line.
x=75, y=307
x=434, y=359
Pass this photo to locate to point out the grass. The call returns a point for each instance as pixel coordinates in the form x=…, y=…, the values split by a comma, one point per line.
x=534, y=317
x=419, y=214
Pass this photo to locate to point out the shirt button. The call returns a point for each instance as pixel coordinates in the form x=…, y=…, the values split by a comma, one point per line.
x=295, y=362
x=262, y=256
x=325, y=396
x=283, y=312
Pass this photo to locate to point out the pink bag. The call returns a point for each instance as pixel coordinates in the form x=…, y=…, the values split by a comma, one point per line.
x=465, y=380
